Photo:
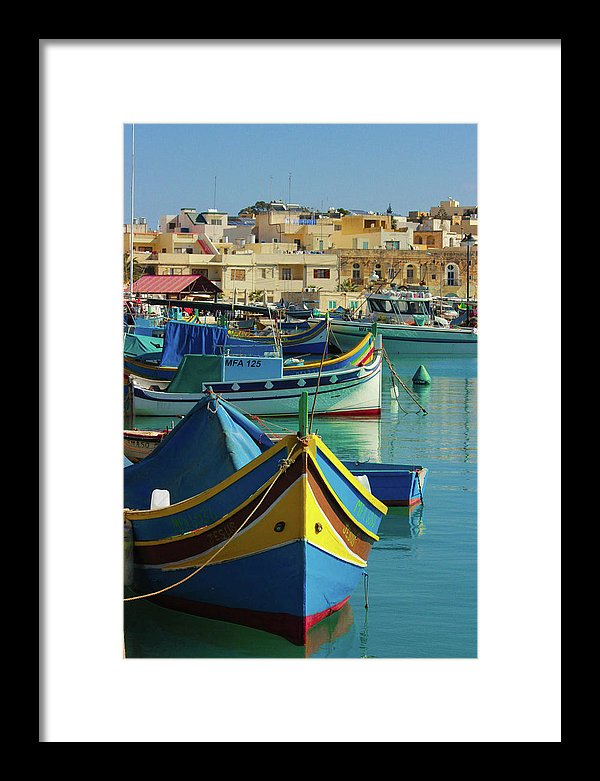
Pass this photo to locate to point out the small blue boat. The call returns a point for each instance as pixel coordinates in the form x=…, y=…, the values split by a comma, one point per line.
x=396, y=485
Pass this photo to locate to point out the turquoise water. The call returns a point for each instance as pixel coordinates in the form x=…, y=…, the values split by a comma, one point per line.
x=421, y=584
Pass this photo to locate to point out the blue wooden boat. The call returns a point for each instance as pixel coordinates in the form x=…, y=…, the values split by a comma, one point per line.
x=229, y=525
x=313, y=340
x=145, y=366
x=182, y=338
x=396, y=485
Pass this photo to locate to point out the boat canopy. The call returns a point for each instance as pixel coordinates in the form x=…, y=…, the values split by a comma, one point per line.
x=398, y=306
x=210, y=444
x=185, y=338
x=137, y=344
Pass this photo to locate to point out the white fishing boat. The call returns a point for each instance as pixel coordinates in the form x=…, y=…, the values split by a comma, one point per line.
x=407, y=323
x=259, y=386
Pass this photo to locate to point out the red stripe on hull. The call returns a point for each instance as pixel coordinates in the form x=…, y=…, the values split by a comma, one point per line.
x=310, y=621
x=354, y=413
x=403, y=502
x=292, y=628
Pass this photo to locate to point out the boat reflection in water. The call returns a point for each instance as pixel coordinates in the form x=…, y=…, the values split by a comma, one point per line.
x=157, y=632
x=404, y=522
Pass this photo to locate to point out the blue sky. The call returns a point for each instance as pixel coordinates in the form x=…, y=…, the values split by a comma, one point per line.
x=355, y=166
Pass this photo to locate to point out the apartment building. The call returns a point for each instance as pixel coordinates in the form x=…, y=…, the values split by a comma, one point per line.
x=289, y=253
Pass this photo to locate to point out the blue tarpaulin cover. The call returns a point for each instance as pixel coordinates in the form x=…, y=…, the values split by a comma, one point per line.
x=186, y=338
x=211, y=443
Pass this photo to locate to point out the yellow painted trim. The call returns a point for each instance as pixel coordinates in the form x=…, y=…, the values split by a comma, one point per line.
x=141, y=515
x=373, y=500
x=259, y=536
x=145, y=365
x=328, y=539
x=299, y=509
x=338, y=358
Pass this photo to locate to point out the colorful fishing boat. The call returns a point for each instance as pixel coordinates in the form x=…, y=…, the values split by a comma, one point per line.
x=395, y=485
x=360, y=354
x=301, y=341
x=259, y=387
x=230, y=526
x=181, y=339
x=139, y=443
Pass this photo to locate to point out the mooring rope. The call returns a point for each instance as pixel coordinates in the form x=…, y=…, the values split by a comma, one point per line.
x=282, y=466
x=417, y=475
x=248, y=414
x=312, y=412
x=402, y=383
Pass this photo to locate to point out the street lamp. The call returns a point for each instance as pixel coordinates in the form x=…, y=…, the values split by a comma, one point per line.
x=468, y=241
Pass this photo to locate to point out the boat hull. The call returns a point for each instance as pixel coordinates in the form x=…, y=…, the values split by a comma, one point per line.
x=281, y=561
x=401, y=340
x=356, y=391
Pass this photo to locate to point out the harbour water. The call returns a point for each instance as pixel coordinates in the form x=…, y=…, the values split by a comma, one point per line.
x=421, y=581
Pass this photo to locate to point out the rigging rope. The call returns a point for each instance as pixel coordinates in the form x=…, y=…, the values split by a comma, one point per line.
x=282, y=466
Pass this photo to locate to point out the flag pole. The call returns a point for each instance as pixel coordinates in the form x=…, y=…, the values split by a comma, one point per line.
x=131, y=226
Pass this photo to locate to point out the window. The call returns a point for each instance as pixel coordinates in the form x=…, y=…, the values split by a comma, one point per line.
x=365, y=245
x=392, y=245
x=410, y=272
x=189, y=251
x=171, y=226
x=322, y=273
x=451, y=276
x=331, y=304
x=353, y=304
x=355, y=271
x=286, y=273
x=391, y=272
x=238, y=274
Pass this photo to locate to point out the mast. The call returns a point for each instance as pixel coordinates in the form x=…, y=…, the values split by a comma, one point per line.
x=131, y=229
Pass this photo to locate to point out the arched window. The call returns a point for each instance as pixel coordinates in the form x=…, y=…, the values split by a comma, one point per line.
x=356, y=271
x=410, y=273
x=451, y=275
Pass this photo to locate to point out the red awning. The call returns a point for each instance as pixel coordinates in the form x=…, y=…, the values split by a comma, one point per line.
x=176, y=283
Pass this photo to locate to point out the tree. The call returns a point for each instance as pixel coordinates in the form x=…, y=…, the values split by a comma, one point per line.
x=138, y=271
x=259, y=206
x=348, y=286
